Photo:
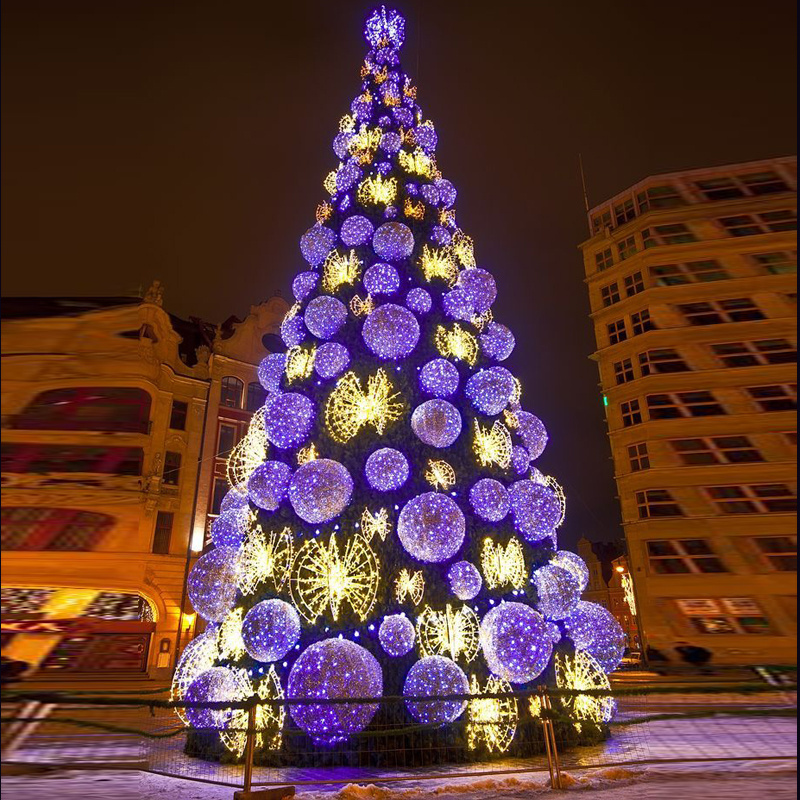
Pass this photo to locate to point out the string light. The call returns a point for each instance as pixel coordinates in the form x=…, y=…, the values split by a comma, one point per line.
x=479, y=286
x=315, y=244
x=381, y=279
x=497, y=341
x=535, y=508
x=265, y=556
x=557, y=590
x=324, y=577
x=393, y=241
x=438, y=263
x=340, y=269
x=349, y=407
x=436, y=423
x=503, y=565
x=347, y=124
x=582, y=671
x=553, y=484
x=440, y=475
x=492, y=445
x=299, y=362
x=364, y=144
x=332, y=358
x=356, y=230
x=229, y=636
x=456, y=343
x=451, y=633
x=307, y=453
x=377, y=190
x=329, y=183
x=489, y=499
x=249, y=452
x=574, y=564
x=480, y=321
x=386, y=469
x=288, y=419
x=439, y=377
x=490, y=390
x=320, y=490
x=375, y=524
x=409, y=585
x=492, y=720
x=627, y=588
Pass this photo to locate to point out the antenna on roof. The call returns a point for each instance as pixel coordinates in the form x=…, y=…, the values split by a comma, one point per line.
x=585, y=194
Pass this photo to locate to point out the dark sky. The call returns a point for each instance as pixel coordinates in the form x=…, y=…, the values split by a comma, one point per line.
x=187, y=141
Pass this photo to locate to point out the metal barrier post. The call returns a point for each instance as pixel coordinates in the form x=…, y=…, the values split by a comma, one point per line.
x=553, y=747
x=249, y=748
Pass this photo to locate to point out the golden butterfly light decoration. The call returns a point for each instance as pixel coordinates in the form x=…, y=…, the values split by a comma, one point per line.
x=480, y=321
x=270, y=717
x=583, y=672
x=456, y=343
x=409, y=585
x=325, y=577
x=492, y=721
x=492, y=445
x=377, y=190
x=463, y=248
x=340, y=269
x=364, y=144
x=438, y=263
x=265, y=556
x=375, y=524
x=451, y=633
x=323, y=212
x=299, y=362
x=503, y=565
x=440, y=475
x=416, y=163
x=359, y=307
x=413, y=210
x=349, y=407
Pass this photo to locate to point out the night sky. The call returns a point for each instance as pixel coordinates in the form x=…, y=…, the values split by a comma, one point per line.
x=187, y=141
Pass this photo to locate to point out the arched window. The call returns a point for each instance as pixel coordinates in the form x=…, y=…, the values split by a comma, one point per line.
x=256, y=396
x=87, y=408
x=36, y=528
x=231, y=393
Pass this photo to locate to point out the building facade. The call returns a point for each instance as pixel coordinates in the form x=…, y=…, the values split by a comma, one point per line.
x=111, y=409
x=692, y=287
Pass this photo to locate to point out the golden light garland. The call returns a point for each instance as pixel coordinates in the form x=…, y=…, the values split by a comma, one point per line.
x=440, y=475
x=323, y=212
x=307, y=453
x=455, y=634
x=480, y=321
x=364, y=144
x=340, y=269
x=270, y=717
x=381, y=75
x=249, y=453
x=375, y=524
x=492, y=445
x=503, y=565
x=265, y=556
x=347, y=124
x=377, y=190
x=325, y=578
x=463, y=248
x=229, y=636
x=492, y=721
x=511, y=419
x=438, y=263
x=410, y=91
x=359, y=307
x=198, y=656
x=583, y=672
x=456, y=343
x=447, y=216
x=349, y=407
x=391, y=99
x=299, y=362
x=408, y=585
x=413, y=210
x=627, y=589
x=416, y=163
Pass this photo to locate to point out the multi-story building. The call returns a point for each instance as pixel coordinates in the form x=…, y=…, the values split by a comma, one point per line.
x=112, y=416
x=692, y=286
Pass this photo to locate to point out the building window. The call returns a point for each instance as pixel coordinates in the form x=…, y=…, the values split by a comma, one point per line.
x=781, y=397
x=683, y=404
x=631, y=413
x=623, y=371
x=659, y=197
x=753, y=354
x=220, y=490
x=610, y=294
x=778, y=262
x=604, y=259
x=641, y=322
x=120, y=606
x=177, y=417
x=172, y=468
x=37, y=528
x=720, y=189
x=626, y=248
x=730, y=615
x=661, y=360
x=716, y=450
x=227, y=440
x=690, y=272
x=683, y=557
x=231, y=392
x=106, y=408
x=256, y=396
x=767, y=222
x=765, y=498
x=666, y=234
x=780, y=552
x=43, y=458
x=657, y=503
x=634, y=284
x=735, y=309
x=760, y=183
x=638, y=457
x=163, y=532
x=617, y=331
x=601, y=221
x=624, y=212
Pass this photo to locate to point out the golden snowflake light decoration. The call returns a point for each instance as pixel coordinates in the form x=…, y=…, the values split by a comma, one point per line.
x=198, y=656
x=340, y=269
x=270, y=717
x=627, y=588
x=377, y=524
x=323, y=212
x=329, y=183
x=503, y=565
x=347, y=124
x=409, y=585
x=492, y=445
x=306, y=454
x=455, y=634
x=583, y=672
x=249, y=453
x=324, y=577
x=438, y=263
x=463, y=248
x=456, y=343
x=229, y=636
x=359, y=307
x=377, y=190
x=265, y=556
x=350, y=408
x=416, y=163
x=299, y=362
x=440, y=475
x=492, y=721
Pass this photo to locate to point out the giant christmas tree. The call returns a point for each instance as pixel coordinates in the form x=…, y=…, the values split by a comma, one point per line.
x=386, y=532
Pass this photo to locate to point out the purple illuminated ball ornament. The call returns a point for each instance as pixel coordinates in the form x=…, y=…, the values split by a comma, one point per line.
x=391, y=142
x=457, y=305
x=341, y=145
x=288, y=419
x=517, y=642
x=391, y=331
x=344, y=203
x=536, y=509
x=385, y=26
x=215, y=685
x=574, y=564
x=593, y=628
x=403, y=116
x=497, y=342
x=490, y=390
x=293, y=331
x=316, y=243
x=436, y=422
x=270, y=630
x=320, y=490
x=347, y=176
x=419, y=301
x=393, y=241
x=520, y=459
x=431, y=527
x=429, y=193
x=435, y=676
x=439, y=377
x=447, y=192
x=230, y=527
x=440, y=236
x=362, y=109
x=331, y=359
x=390, y=212
x=356, y=230
x=233, y=499
x=381, y=279
x=532, y=432
x=304, y=284
x=334, y=669
x=212, y=583
x=479, y=286
x=268, y=483
x=558, y=590
x=465, y=580
x=324, y=315
x=386, y=469
x=396, y=635
x=425, y=136
x=489, y=499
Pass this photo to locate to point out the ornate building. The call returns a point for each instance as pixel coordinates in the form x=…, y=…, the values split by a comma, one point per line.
x=115, y=417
